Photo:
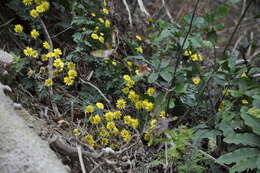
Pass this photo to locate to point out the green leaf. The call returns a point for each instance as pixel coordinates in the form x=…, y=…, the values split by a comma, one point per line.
x=258, y=161
x=244, y=164
x=153, y=77
x=166, y=75
x=252, y=122
x=181, y=87
x=244, y=139
x=238, y=155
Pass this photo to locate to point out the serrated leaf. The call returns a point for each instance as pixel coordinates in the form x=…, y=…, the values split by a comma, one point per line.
x=238, y=155
x=252, y=122
x=153, y=77
x=244, y=139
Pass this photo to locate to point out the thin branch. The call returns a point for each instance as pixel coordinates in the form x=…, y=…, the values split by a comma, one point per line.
x=82, y=165
x=236, y=28
x=100, y=92
x=129, y=13
x=50, y=66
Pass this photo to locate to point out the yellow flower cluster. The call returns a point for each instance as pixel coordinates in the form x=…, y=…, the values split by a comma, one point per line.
x=193, y=56
x=42, y=6
x=28, y=51
x=129, y=82
x=46, y=45
x=72, y=74
x=99, y=37
x=131, y=121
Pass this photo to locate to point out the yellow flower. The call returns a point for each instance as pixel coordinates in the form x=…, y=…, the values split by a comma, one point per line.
x=152, y=123
x=89, y=139
x=50, y=54
x=40, y=9
x=68, y=81
x=104, y=141
x=107, y=24
x=103, y=132
x=117, y=114
x=125, y=90
x=58, y=63
x=35, y=54
x=150, y=91
x=163, y=114
x=30, y=73
x=93, y=14
x=188, y=53
x=101, y=20
x=46, y=45
x=71, y=65
x=57, y=52
x=126, y=135
x=89, y=109
x=111, y=125
x=133, y=96
x=100, y=105
x=27, y=2
x=94, y=36
x=139, y=49
x=76, y=132
x=72, y=74
x=34, y=13
x=134, y=123
x=196, y=57
x=127, y=77
x=244, y=75
x=44, y=57
x=95, y=119
x=48, y=82
x=18, y=28
x=96, y=28
x=121, y=104
x=244, y=101
x=196, y=80
x=28, y=51
x=147, y=105
x=101, y=39
x=139, y=105
x=130, y=83
x=114, y=63
x=105, y=11
x=109, y=116
x=138, y=37
x=35, y=34
x=45, y=5
x=137, y=72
